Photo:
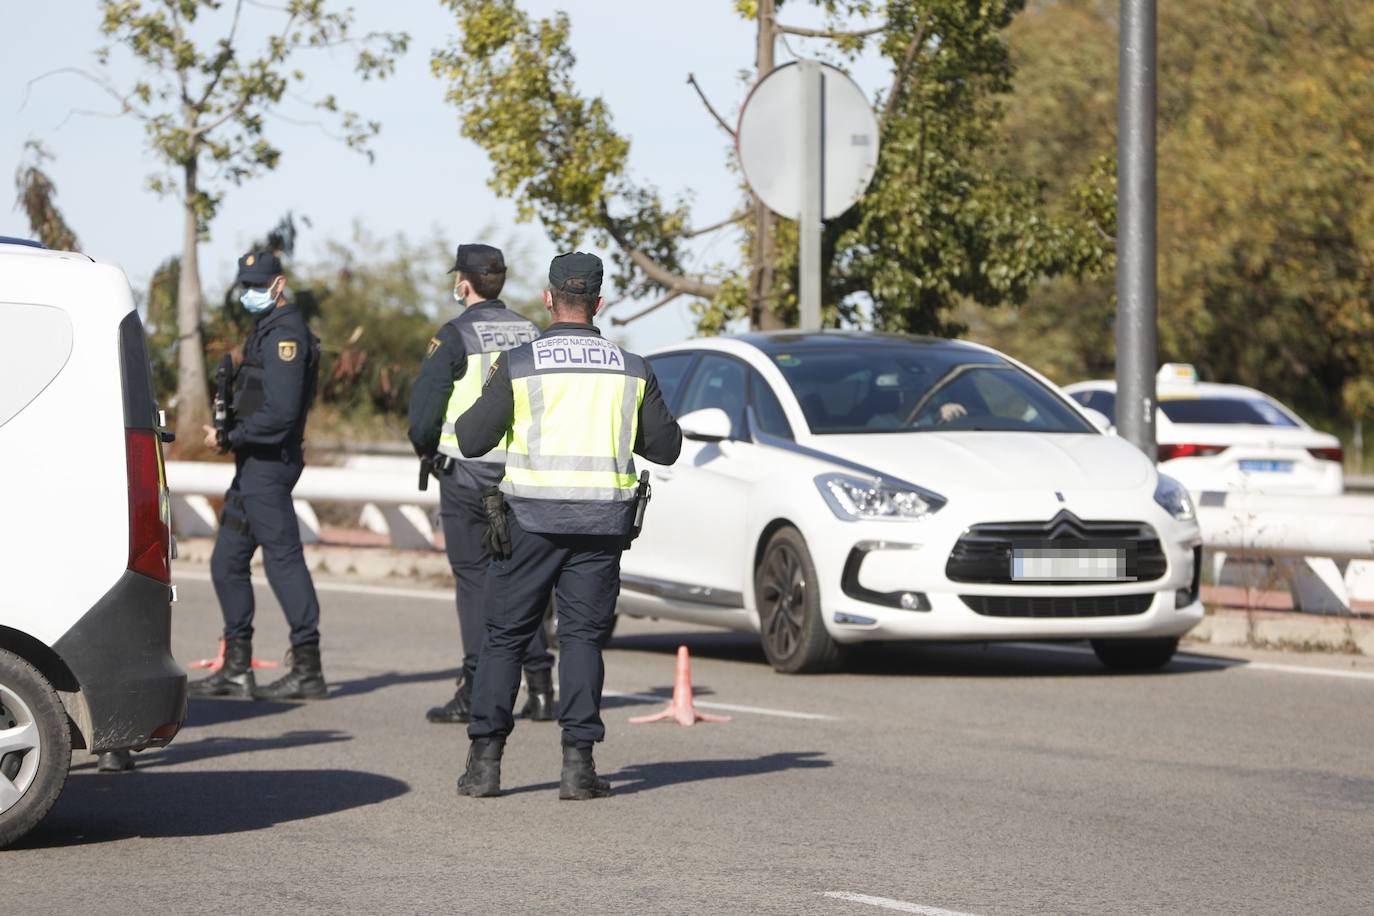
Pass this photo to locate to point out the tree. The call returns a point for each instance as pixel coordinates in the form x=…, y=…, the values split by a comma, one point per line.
x=37, y=197
x=203, y=103
x=940, y=223
x=1266, y=190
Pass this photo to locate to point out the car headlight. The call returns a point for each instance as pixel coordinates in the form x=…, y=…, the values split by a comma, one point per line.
x=1172, y=495
x=853, y=498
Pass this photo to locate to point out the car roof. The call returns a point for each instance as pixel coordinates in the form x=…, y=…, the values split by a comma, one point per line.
x=1199, y=389
x=9, y=245
x=772, y=343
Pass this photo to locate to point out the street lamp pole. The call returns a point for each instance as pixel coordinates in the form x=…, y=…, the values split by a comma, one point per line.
x=1137, y=332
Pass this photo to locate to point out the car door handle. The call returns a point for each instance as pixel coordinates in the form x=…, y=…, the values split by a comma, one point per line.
x=662, y=476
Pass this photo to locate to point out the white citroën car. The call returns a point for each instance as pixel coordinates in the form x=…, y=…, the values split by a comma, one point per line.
x=843, y=487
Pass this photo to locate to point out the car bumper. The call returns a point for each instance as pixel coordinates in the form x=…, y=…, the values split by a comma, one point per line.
x=891, y=585
x=132, y=693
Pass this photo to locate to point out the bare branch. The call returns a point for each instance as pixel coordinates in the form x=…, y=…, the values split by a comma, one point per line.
x=728, y=221
x=692, y=286
x=900, y=77
x=827, y=33
x=201, y=130
x=229, y=44
x=620, y=322
x=88, y=113
x=692, y=80
x=124, y=104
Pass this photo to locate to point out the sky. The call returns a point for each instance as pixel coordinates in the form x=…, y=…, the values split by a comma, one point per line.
x=427, y=180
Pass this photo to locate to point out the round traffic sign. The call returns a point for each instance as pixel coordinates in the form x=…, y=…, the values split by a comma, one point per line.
x=770, y=140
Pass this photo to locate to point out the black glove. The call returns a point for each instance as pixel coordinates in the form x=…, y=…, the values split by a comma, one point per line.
x=496, y=539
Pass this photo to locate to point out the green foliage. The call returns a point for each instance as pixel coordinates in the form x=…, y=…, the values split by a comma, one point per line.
x=942, y=222
x=36, y=196
x=205, y=102
x=1266, y=189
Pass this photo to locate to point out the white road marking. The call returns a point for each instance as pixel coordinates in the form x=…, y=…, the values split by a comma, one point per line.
x=728, y=707
x=887, y=903
x=326, y=586
x=1199, y=662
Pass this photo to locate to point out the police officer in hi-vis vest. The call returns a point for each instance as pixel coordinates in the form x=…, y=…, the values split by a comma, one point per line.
x=450, y=379
x=274, y=387
x=571, y=407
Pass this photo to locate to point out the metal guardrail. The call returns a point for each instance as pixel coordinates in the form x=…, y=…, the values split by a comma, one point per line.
x=1325, y=543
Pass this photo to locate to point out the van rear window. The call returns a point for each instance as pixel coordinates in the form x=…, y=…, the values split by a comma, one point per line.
x=140, y=406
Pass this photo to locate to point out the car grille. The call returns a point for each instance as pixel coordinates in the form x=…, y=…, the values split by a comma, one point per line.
x=1063, y=606
x=983, y=553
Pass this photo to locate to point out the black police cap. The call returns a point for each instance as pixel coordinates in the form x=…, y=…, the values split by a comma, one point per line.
x=478, y=259
x=576, y=272
x=259, y=268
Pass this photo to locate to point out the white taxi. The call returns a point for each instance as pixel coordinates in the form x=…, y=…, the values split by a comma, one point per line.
x=1229, y=437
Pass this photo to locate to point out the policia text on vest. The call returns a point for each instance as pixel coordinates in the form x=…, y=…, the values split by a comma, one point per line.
x=572, y=410
x=458, y=359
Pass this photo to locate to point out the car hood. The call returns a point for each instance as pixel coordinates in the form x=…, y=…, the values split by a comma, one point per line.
x=996, y=461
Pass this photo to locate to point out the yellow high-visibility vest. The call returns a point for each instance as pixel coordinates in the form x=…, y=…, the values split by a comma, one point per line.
x=485, y=333
x=569, y=454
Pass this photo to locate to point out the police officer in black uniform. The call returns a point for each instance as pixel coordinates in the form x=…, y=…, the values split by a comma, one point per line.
x=274, y=387
x=449, y=381
x=571, y=408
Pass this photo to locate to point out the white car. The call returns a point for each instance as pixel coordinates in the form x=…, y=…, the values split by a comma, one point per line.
x=844, y=487
x=1229, y=437
x=85, y=609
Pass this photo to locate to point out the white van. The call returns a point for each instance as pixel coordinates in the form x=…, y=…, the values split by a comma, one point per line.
x=85, y=544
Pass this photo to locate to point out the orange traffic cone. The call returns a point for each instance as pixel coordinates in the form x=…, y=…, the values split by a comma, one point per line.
x=216, y=663
x=681, y=707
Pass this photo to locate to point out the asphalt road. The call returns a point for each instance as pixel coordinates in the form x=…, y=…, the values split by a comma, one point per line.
x=927, y=779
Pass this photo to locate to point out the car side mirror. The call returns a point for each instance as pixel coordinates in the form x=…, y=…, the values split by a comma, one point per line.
x=1099, y=419
x=710, y=424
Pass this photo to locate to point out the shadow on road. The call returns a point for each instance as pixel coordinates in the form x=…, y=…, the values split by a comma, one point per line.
x=99, y=809
x=215, y=711
x=362, y=685
x=645, y=777
x=908, y=659
x=183, y=751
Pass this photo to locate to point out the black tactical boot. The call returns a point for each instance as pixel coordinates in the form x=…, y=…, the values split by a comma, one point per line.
x=305, y=680
x=115, y=762
x=458, y=709
x=234, y=678
x=579, y=780
x=482, y=778
x=539, y=703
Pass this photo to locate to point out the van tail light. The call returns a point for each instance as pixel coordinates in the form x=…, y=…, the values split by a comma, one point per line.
x=1189, y=450
x=149, y=535
x=1328, y=454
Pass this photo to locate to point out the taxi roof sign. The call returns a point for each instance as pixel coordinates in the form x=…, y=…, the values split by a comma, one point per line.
x=1177, y=374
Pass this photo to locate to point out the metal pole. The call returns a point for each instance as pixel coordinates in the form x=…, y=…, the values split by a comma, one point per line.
x=813, y=183
x=1137, y=333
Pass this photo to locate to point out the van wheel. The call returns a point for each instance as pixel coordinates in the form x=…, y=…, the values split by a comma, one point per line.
x=785, y=591
x=35, y=747
x=1135, y=654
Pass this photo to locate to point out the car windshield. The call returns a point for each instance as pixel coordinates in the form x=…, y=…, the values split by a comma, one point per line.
x=1244, y=411
x=921, y=387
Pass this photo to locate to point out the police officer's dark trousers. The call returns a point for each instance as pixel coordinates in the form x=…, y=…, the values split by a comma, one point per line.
x=464, y=522
x=258, y=512
x=583, y=572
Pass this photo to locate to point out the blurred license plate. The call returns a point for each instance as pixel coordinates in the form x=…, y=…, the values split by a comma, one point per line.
x=1270, y=467
x=1076, y=564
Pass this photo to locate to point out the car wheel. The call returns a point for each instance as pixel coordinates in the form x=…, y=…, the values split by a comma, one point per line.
x=793, y=635
x=35, y=747
x=1135, y=654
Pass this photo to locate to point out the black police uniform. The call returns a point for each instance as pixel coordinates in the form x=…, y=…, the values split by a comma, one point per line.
x=487, y=328
x=274, y=388
x=578, y=561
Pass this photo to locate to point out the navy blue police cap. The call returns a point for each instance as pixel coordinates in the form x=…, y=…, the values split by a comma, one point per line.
x=259, y=268
x=576, y=272
x=478, y=259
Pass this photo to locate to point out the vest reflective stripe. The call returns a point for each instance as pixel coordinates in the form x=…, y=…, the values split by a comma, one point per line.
x=573, y=429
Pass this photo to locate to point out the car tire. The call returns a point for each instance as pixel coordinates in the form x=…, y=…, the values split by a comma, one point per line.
x=33, y=773
x=1135, y=654
x=790, y=626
